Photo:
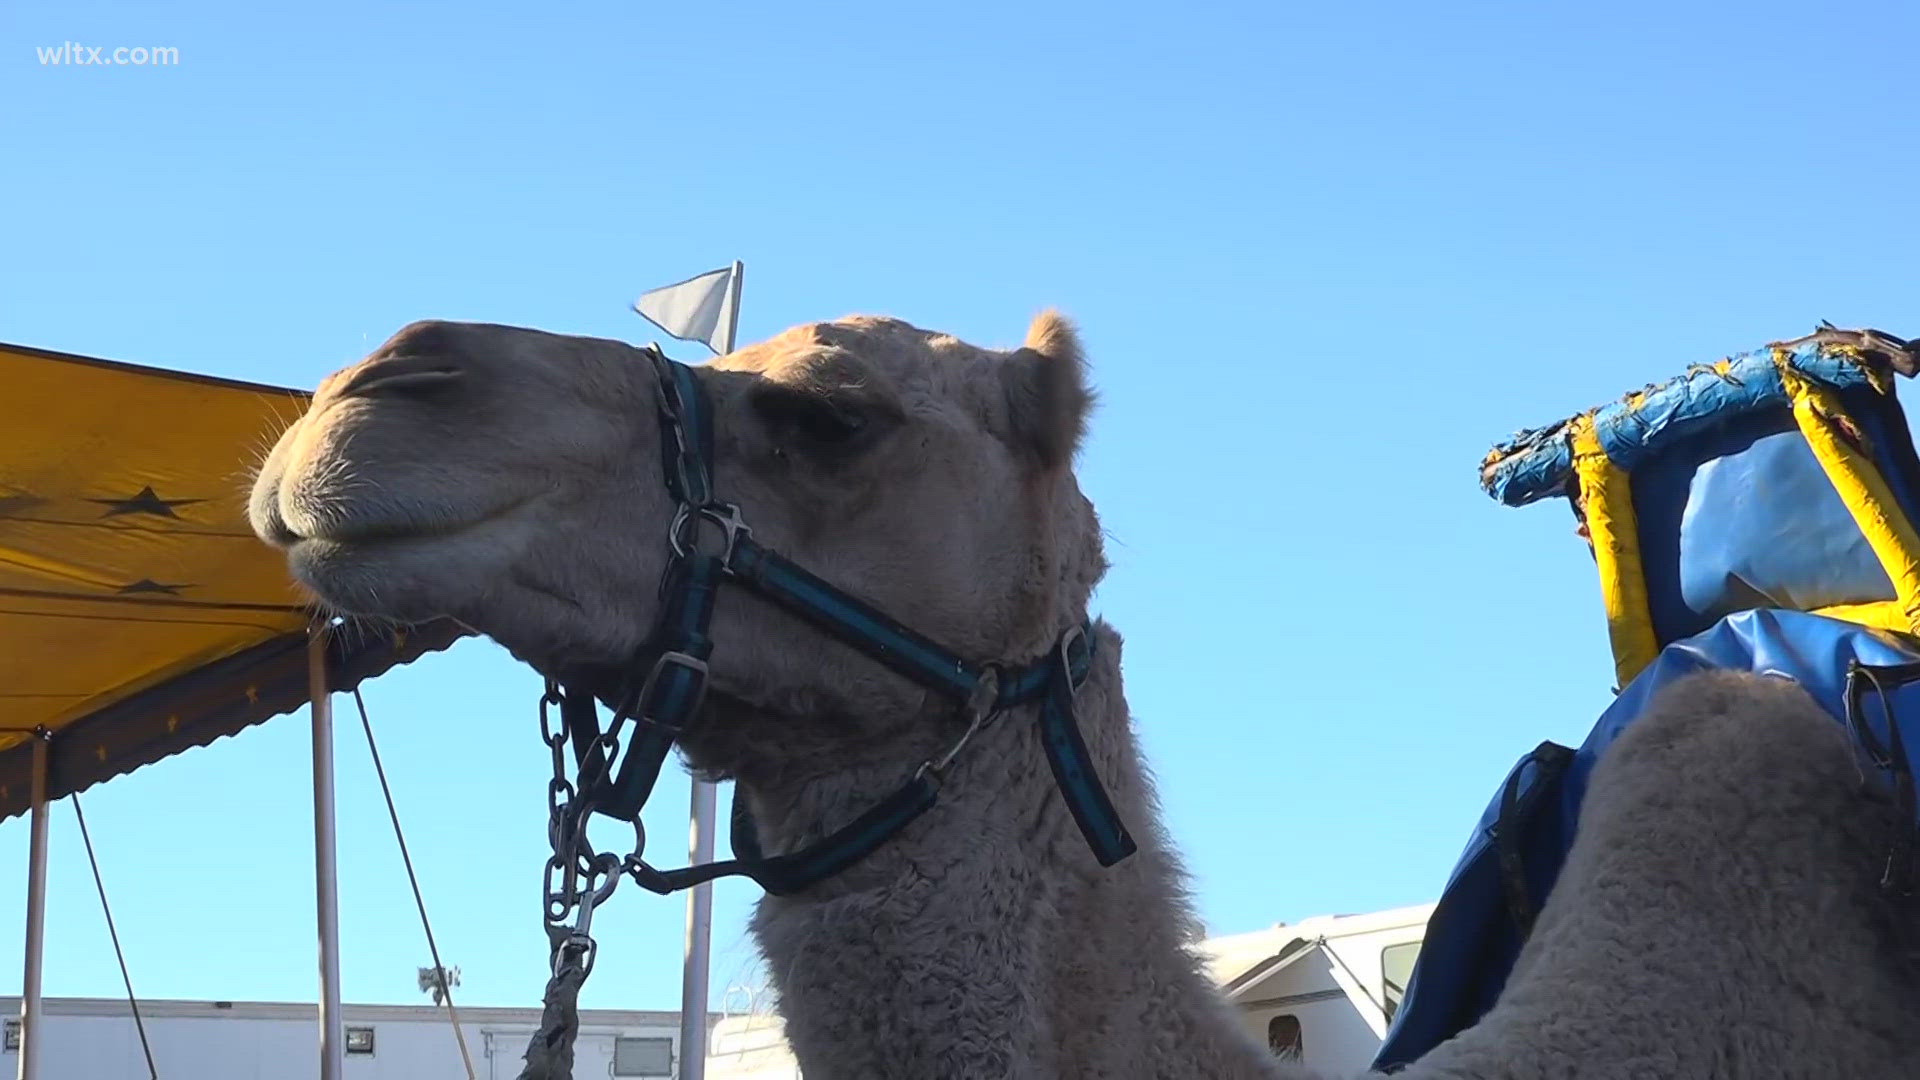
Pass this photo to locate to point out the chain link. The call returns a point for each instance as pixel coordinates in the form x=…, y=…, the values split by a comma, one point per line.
x=562, y=881
x=577, y=878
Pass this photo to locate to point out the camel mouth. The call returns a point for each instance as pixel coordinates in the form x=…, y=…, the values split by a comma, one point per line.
x=340, y=527
x=402, y=567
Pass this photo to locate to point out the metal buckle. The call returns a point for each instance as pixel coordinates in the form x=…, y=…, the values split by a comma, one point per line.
x=726, y=515
x=584, y=952
x=674, y=659
x=1065, y=650
x=986, y=692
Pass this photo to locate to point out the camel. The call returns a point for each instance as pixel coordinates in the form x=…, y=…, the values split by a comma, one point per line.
x=1718, y=914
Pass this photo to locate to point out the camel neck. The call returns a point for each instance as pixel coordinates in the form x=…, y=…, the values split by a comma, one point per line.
x=987, y=942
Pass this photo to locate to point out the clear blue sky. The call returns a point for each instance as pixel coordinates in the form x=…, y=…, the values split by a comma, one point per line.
x=1323, y=257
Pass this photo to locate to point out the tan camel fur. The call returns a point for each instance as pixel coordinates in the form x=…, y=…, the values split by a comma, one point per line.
x=1717, y=916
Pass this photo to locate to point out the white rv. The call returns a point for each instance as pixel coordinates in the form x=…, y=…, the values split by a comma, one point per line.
x=1322, y=990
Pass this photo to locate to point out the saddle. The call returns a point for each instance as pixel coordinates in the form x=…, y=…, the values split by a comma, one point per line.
x=1756, y=514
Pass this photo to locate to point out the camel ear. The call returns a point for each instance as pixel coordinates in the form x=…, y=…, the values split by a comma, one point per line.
x=1047, y=395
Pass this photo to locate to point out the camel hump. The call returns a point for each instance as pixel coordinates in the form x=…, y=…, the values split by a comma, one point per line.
x=1704, y=709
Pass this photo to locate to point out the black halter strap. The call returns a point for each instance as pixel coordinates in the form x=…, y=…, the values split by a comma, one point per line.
x=676, y=680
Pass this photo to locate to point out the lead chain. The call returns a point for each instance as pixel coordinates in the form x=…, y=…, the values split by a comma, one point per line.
x=577, y=878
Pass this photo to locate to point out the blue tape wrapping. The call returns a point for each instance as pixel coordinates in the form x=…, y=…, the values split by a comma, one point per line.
x=1537, y=464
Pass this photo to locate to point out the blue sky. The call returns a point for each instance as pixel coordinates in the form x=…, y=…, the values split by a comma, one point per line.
x=1323, y=256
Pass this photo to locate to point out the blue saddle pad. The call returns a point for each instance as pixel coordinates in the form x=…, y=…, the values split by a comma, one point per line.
x=1521, y=841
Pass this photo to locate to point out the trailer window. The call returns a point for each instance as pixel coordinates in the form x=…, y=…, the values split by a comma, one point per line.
x=635, y=1056
x=1284, y=1037
x=1396, y=969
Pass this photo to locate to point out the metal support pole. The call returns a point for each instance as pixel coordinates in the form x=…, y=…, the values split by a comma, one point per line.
x=693, y=981
x=693, y=974
x=30, y=1010
x=325, y=864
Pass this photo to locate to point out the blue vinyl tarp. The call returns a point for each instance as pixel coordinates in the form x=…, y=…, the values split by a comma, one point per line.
x=1733, y=509
x=1741, y=515
x=1471, y=939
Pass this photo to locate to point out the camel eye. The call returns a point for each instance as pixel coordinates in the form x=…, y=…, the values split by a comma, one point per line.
x=810, y=420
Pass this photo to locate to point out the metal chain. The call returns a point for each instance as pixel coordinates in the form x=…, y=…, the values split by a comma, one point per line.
x=577, y=878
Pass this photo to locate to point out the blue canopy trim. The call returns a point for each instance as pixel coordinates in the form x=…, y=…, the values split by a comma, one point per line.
x=1538, y=463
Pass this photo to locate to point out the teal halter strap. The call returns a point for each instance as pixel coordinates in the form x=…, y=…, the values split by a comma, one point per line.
x=676, y=682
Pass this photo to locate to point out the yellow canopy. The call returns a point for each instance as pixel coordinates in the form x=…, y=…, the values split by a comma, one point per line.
x=139, y=615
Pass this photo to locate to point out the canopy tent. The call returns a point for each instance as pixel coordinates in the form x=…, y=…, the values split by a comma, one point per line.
x=139, y=614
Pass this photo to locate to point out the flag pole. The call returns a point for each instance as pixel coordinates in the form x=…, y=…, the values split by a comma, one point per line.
x=733, y=315
x=694, y=974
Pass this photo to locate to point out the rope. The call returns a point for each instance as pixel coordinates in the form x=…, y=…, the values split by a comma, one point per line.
x=549, y=1053
x=100, y=884
x=439, y=969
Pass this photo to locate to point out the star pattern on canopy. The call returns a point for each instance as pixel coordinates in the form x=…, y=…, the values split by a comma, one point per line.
x=145, y=502
x=148, y=585
x=14, y=504
x=139, y=615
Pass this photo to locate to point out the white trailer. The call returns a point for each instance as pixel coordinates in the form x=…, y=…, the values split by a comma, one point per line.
x=1323, y=990
x=96, y=1039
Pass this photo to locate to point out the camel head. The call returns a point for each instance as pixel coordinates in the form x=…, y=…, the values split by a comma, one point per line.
x=513, y=480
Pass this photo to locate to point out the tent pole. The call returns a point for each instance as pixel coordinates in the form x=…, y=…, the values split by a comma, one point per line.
x=325, y=864
x=693, y=982
x=30, y=1004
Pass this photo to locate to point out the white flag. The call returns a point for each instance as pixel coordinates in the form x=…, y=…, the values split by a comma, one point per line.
x=704, y=308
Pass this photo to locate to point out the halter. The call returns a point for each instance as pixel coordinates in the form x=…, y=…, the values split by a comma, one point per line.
x=676, y=683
